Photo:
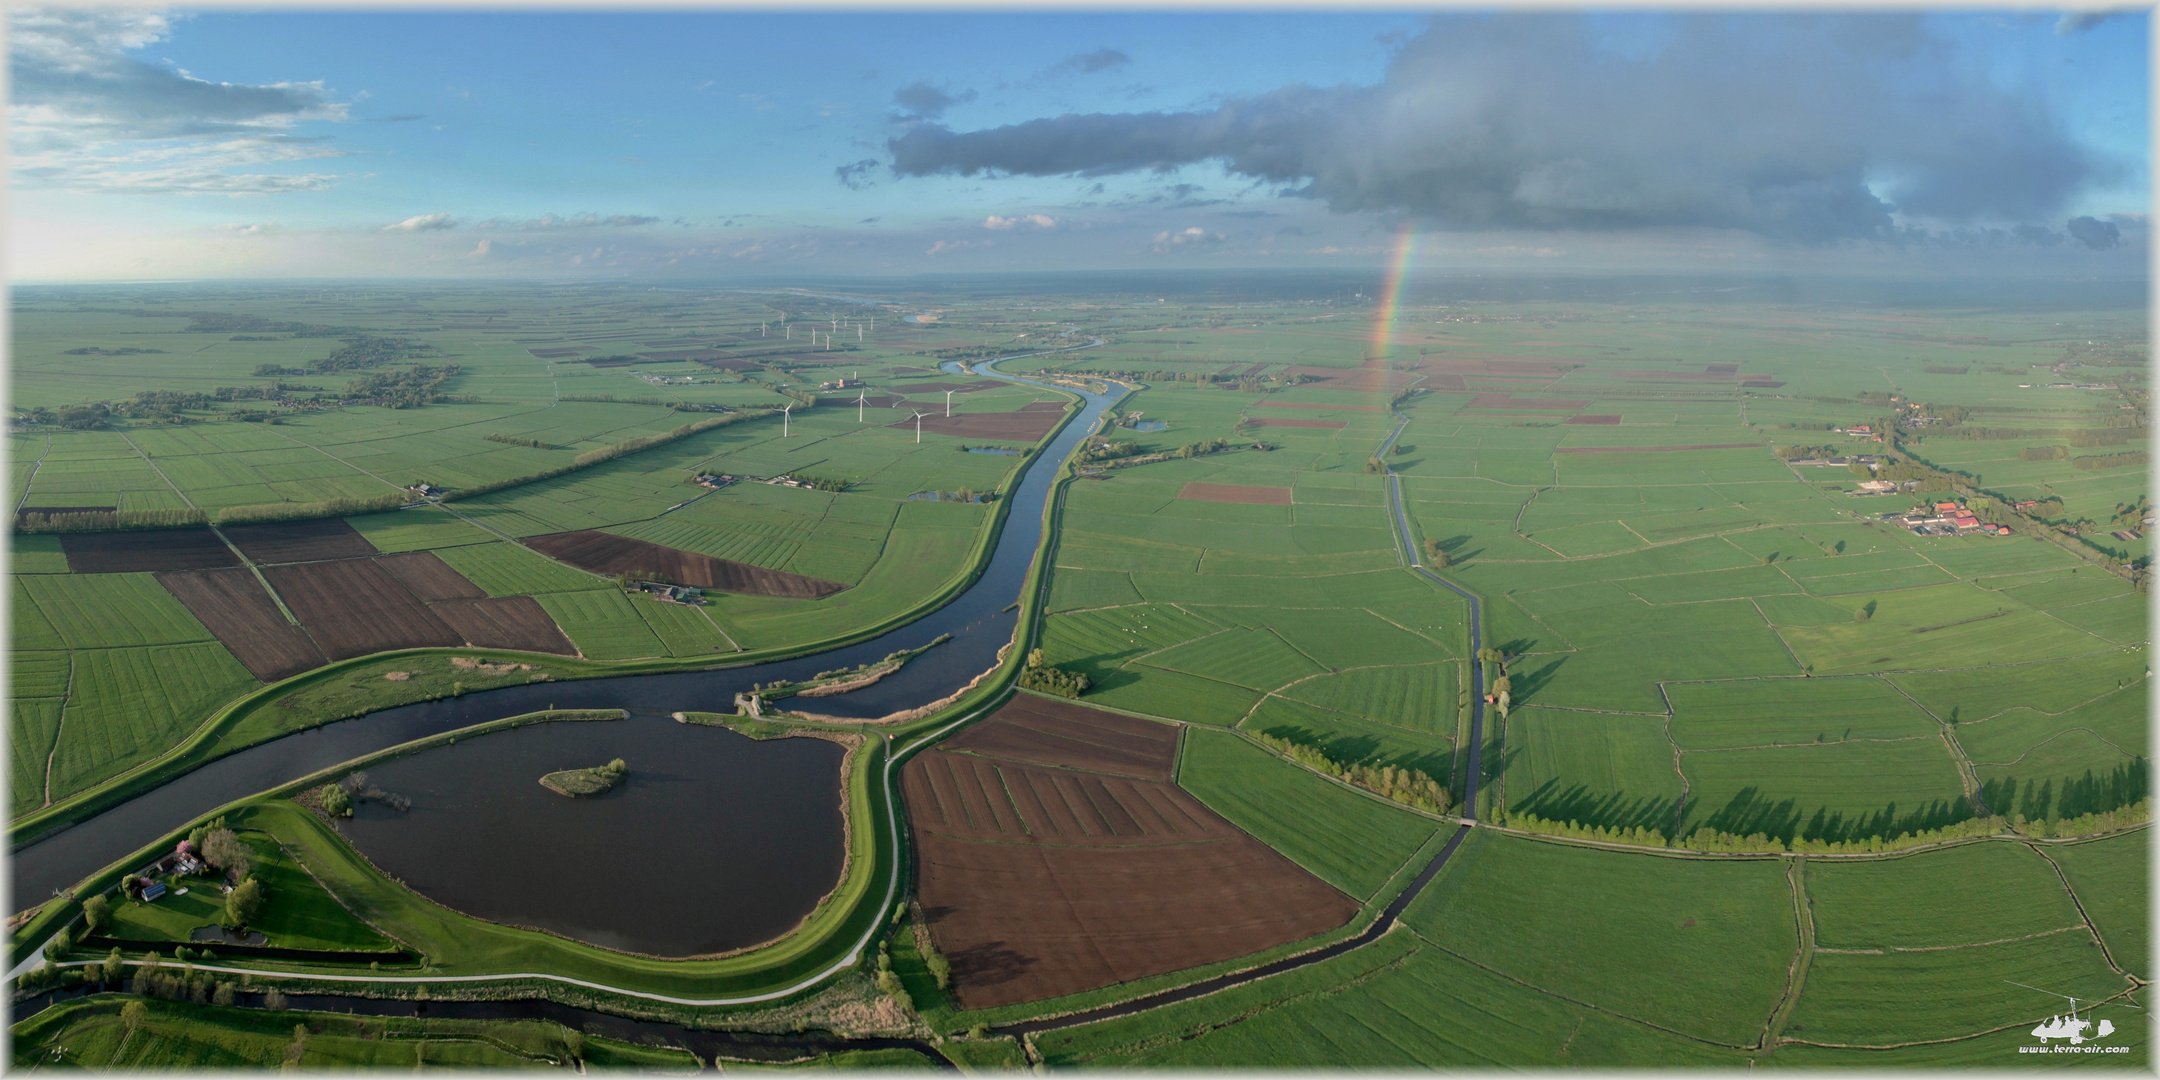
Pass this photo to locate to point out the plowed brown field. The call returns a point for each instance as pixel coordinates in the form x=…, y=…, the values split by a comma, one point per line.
x=353, y=607
x=428, y=578
x=1026, y=424
x=509, y=622
x=609, y=554
x=235, y=607
x=1054, y=856
x=299, y=541
x=150, y=549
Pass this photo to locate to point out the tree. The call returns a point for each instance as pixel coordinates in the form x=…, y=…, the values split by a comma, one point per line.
x=226, y=994
x=133, y=1015
x=274, y=1000
x=335, y=802
x=61, y=942
x=97, y=911
x=244, y=902
x=113, y=968
x=224, y=851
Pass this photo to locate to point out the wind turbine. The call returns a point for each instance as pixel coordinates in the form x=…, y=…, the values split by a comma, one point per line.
x=948, y=402
x=918, y=425
x=859, y=400
x=784, y=414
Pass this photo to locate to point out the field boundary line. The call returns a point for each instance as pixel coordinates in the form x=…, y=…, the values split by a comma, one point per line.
x=1803, y=956
x=2110, y=999
x=1998, y=941
x=58, y=723
x=1577, y=1002
x=30, y=481
x=2106, y=953
x=160, y=472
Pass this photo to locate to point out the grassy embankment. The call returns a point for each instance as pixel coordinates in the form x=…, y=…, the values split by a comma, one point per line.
x=458, y=945
x=354, y=687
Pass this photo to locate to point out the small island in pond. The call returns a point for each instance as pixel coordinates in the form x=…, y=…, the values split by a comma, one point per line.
x=581, y=783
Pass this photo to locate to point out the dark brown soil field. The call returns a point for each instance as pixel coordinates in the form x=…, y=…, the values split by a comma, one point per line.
x=1044, y=731
x=609, y=554
x=1594, y=418
x=1318, y=405
x=353, y=607
x=510, y=622
x=240, y=612
x=1047, y=867
x=1271, y=421
x=429, y=578
x=1021, y=425
x=1504, y=401
x=557, y=354
x=1236, y=493
x=1653, y=449
x=615, y=360
x=1693, y=375
x=299, y=541
x=150, y=549
x=1762, y=384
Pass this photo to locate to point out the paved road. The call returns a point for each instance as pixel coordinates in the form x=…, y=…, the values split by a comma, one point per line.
x=1394, y=910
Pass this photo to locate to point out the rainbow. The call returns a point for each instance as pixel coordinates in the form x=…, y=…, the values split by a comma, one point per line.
x=1398, y=271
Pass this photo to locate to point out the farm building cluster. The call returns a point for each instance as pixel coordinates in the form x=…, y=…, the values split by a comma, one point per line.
x=1946, y=518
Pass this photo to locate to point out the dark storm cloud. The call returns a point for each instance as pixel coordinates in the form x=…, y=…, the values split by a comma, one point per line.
x=2094, y=233
x=1797, y=127
x=1090, y=63
x=926, y=102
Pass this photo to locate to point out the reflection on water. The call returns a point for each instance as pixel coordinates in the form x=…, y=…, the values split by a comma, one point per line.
x=714, y=842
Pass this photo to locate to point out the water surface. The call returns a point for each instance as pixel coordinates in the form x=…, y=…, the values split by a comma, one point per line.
x=714, y=842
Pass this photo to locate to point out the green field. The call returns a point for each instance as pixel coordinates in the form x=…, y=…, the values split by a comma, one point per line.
x=1699, y=633
x=1350, y=840
x=1585, y=925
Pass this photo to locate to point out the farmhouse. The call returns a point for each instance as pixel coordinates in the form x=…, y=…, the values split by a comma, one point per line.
x=675, y=594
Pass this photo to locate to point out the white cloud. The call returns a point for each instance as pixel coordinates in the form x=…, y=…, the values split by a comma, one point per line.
x=86, y=116
x=1192, y=238
x=1040, y=221
x=422, y=223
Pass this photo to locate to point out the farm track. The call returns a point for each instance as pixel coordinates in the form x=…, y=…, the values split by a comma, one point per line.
x=31, y=481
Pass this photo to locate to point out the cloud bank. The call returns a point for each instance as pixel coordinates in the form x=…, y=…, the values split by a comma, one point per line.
x=86, y=116
x=1796, y=128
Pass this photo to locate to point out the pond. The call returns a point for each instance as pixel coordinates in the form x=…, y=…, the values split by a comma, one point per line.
x=714, y=842
x=1150, y=425
x=980, y=620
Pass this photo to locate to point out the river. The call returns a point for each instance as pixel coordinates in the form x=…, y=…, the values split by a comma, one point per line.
x=980, y=620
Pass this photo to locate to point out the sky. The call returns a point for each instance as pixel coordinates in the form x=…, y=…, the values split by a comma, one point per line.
x=696, y=144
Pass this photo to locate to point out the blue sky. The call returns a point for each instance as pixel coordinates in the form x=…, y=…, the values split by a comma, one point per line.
x=715, y=143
